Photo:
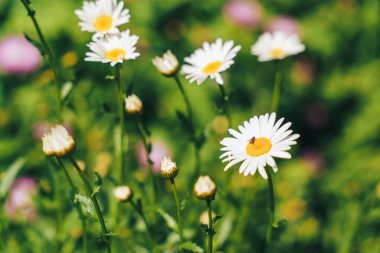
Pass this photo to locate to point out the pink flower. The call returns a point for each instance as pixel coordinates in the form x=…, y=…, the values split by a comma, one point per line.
x=159, y=151
x=314, y=161
x=42, y=127
x=285, y=24
x=19, y=205
x=243, y=13
x=18, y=56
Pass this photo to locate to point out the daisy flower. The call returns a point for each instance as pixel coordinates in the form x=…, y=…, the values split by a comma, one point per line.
x=114, y=48
x=277, y=46
x=57, y=141
x=210, y=61
x=259, y=140
x=102, y=17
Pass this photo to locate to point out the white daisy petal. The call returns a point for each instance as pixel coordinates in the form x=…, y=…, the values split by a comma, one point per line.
x=209, y=61
x=102, y=17
x=277, y=46
x=257, y=142
x=113, y=49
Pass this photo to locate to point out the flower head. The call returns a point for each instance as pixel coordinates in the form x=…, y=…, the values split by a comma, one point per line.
x=210, y=61
x=19, y=204
x=205, y=188
x=57, y=141
x=245, y=13
x=133, y=104
x=259, y=140
x=18, y=56
x=123, y=193
x=158, y=152
x=102, y=17
x=168, y=168
x=167, y=64
x=114, y=48
x=277, y=46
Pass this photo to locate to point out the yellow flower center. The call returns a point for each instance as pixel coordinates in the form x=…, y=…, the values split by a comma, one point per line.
x=103, y=23
x=258, y=147
x=278, y=53
x=114, y=54
x=212, y=67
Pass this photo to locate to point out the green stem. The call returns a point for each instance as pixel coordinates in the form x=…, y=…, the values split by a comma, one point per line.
x=94, y=201
x=185, y=98
x=50, y=56
x=148, y=146
x=179, y=216
x=120, y=95
x=77, y=207
x=268, y=240
x=210, y=229
x=226, y=109
x=276, y=89
x=190, y=116
x=59, y=202
x=141, y=213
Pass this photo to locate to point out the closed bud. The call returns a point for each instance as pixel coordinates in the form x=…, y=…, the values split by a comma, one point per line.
x=133, y=104
x=205, y=188
x=123, y=193
x=167, y=64
x=57, y=141
x=168, y=168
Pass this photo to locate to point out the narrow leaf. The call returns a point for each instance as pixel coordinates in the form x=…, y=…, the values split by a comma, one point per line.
x=10, y=176
x=190, y=246
x=170, y=221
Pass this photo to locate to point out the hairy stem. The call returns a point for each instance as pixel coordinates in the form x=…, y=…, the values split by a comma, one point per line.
x=268, y=240
x=50, y=57
x=94, y=201
x=179, y=215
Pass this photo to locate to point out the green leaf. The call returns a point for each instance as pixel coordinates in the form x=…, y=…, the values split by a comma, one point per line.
x=184, y=202
x=190, y=246
x=98, y=179
x=66, y=90
x=10, y=176
x=280, y=222
x=170, y=221
x=216, y=218
x=85, y=203
x=95, y=190
x=35, y=43
x=110, y=77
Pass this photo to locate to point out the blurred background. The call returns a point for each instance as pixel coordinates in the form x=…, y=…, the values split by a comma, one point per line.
x=329, y=192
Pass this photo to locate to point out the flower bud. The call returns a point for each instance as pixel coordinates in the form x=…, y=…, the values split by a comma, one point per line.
x=133, y=104
x=167, y=64
x=123, y=193
x=57, y=141
x=168, y=168
x=205, y=188
x=203, y=219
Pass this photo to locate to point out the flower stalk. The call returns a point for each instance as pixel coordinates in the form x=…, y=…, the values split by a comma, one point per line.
x=268, y=240
x=94, y=201
x=119, y=150
x=179, y=215
x=50, y=57
x=225, y=105
x=77, y=207
x=148, y=148
x=210, y=225
x=140, y=212
x=276, y=89
x=193, y=132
